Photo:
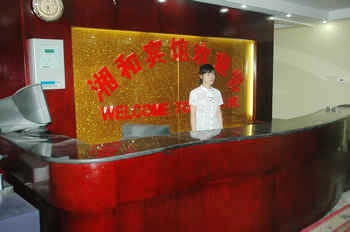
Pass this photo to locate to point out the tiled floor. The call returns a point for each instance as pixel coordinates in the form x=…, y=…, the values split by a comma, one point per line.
x=344, y=200
x=334, y=220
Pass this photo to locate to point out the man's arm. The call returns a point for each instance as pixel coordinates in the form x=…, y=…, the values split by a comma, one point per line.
x=219, y=117
x=193, y=110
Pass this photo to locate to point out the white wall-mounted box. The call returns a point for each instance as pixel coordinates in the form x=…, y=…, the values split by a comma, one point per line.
x=46, y=63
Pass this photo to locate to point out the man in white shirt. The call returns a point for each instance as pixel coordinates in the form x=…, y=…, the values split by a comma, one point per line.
x=205, y=102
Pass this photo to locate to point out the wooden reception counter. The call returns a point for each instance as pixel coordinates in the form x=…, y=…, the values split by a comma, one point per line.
x=275, y=176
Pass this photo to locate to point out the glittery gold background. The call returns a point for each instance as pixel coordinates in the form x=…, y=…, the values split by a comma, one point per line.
x=165, y=82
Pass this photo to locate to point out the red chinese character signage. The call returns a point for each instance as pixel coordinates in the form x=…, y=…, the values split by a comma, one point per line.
x=179, y=49
x=222, y=63
x=104, y=83
x=154, y=54
x=130, y=63
x=232, y=102
x=236, y=80
x=201, y=53
x=142, y=77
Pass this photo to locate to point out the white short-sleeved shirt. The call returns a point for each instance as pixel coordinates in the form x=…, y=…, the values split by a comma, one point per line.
x=207, y=102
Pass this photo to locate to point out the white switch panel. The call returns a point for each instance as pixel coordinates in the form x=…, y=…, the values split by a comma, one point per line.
x=46, y=63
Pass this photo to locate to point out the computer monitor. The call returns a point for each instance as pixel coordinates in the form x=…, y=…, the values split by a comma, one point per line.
x=25, y=109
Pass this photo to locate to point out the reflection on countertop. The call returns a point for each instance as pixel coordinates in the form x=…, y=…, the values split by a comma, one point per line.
x=63, y=149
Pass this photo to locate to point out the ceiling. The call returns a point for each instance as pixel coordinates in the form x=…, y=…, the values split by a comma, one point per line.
x=303, y=12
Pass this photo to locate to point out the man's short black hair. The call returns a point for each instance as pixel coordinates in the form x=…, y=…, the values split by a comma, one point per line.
x=206, y=68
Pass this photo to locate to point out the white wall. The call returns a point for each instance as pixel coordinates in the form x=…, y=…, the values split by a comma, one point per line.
x=308, y=65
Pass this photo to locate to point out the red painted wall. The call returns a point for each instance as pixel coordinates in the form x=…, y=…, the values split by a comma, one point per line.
x=11, y=49
x=18, y=23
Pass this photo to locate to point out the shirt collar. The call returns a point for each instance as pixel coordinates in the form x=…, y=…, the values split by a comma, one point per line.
x=205, y=88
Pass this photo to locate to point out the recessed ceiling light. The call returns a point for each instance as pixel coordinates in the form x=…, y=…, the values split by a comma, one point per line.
x=324, y=21
x=161, y=1
x=223, y=10
x=244, y=6
x=288, y=15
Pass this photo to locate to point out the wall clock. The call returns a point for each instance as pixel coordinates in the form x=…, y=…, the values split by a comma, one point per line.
x=48, y=10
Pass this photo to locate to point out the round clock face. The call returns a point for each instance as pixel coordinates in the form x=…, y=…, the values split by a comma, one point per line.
x=48, y=10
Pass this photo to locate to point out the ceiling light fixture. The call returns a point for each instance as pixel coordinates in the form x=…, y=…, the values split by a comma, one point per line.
x=161, y=1
x=223, y=10
x=288, y=15
x=271, y=18
x=324, y=21
x=244, y=6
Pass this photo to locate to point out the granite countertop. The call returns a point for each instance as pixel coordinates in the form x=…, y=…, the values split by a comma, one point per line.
x=63, y=149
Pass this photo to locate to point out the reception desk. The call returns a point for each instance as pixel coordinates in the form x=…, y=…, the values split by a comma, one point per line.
x=270, y=176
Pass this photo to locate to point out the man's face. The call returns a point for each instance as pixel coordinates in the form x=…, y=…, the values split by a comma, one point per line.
x=208, y=79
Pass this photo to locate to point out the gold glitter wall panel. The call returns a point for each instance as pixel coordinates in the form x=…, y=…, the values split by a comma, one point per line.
x=135, y=77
